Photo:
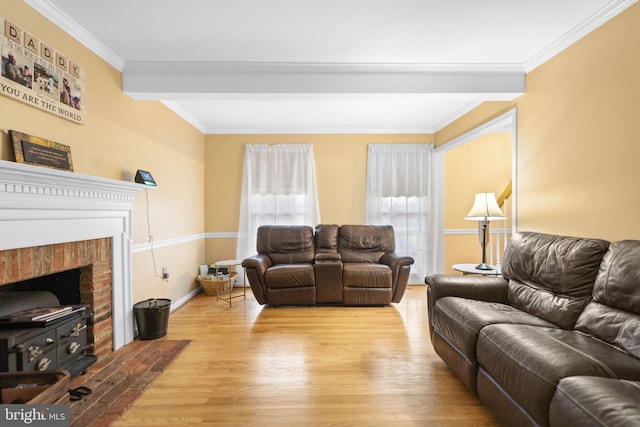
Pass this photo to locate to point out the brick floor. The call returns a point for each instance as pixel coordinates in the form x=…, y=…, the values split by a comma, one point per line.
x=119, y=379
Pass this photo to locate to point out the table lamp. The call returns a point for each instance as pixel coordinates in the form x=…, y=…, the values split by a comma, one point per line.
x=485, y=208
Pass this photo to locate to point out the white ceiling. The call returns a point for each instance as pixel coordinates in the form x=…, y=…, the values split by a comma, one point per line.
x=326, y=66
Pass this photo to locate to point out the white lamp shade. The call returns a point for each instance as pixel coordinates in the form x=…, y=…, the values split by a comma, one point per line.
x=485, y=207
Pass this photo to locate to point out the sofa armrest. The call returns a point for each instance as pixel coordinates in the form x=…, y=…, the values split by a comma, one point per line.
x=482, y=288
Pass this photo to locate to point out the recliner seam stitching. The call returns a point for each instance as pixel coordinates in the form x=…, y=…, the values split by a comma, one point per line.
x=581, y=406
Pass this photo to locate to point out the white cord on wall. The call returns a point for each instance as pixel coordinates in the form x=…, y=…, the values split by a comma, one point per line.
x=150, y=241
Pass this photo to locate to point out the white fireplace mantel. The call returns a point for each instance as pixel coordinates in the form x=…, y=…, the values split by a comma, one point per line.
x=42, y=206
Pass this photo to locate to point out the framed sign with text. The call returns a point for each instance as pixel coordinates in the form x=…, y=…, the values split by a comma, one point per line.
x=36, y=74
x=40, y=152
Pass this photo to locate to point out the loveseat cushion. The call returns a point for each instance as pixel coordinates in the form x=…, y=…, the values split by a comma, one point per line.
x=290, y=276
x=552, y=276
x=365, y=243
x=527, y=362
x=365, y=275
x=614, y=314
x=594, y=401
x=286, y=244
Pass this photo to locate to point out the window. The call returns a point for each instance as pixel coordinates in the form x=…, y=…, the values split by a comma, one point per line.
x=401, y=192
x=278, y=187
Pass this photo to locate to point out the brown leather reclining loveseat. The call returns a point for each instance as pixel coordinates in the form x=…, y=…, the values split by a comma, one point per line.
x=556, y=340
x=342, y=265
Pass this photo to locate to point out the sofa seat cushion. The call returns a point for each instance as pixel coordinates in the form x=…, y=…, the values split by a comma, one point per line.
x=527, y=362
x=459, y=321
x=290, y=276
x=366, y=275
x=595, y=401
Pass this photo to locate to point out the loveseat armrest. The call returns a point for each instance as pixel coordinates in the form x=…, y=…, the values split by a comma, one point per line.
x=481, y=288
x=400, y=269
x=260, y=262
x=328, y=256
x=255, y=267
x=328, y=278
x=395, y=261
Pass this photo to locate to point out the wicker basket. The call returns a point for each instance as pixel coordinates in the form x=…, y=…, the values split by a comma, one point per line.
x=211, y=286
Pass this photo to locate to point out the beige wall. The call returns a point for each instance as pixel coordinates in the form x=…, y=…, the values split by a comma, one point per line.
x=341, y=165
x=578, y=136
x=483, y=113
x=481, y=165
x=119, y=136
x=577, y=152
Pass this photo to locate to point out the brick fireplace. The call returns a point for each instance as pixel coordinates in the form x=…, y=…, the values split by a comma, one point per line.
x=52, y=221
x=91, y=257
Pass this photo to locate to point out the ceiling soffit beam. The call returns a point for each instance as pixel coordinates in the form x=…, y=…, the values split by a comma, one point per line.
x=60, y=18
x=153, y=80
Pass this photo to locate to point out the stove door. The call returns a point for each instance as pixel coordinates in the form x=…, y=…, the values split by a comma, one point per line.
x=72, y=340
x=37, y=353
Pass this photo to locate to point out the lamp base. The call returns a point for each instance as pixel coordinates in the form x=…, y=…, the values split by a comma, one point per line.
x=484, y=266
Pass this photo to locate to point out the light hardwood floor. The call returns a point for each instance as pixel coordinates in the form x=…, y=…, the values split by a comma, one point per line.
x=250, y=365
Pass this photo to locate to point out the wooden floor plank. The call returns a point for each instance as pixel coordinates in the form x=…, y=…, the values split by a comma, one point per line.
x=250, y=365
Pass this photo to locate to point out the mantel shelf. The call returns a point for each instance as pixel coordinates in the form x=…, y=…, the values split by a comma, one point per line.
x=22, y=175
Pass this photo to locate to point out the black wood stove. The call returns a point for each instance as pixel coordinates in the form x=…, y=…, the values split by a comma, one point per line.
x=37, y=334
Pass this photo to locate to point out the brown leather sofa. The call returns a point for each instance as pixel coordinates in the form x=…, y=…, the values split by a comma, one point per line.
x=339, y=265
x=530, y=342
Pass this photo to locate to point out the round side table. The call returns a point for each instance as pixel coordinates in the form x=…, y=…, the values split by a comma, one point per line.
x=228, y=263
x=466, y=269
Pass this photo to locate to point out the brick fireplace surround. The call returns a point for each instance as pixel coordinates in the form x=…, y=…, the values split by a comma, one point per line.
x=91, y=257
x=53, y=221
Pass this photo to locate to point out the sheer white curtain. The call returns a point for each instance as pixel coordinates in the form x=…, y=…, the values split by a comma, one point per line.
x=278, y=187
x=401, y=191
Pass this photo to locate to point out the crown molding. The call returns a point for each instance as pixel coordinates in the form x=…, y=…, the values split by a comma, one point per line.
x=71, y=27
x=608, y=12
x=456, y=115
x=323, y=130
x=186, y=115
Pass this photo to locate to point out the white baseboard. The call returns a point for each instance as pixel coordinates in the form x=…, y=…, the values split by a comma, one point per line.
x=182, y=301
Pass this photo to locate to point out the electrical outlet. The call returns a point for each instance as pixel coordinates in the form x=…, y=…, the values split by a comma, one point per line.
x=165, y=273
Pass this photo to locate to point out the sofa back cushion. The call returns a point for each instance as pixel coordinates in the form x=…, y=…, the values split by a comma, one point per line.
x=614, y=313
x=365, y=243
x=286, y=244
x=552, y=276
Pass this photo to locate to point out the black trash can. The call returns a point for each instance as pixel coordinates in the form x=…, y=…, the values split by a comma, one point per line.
x=152, y=318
